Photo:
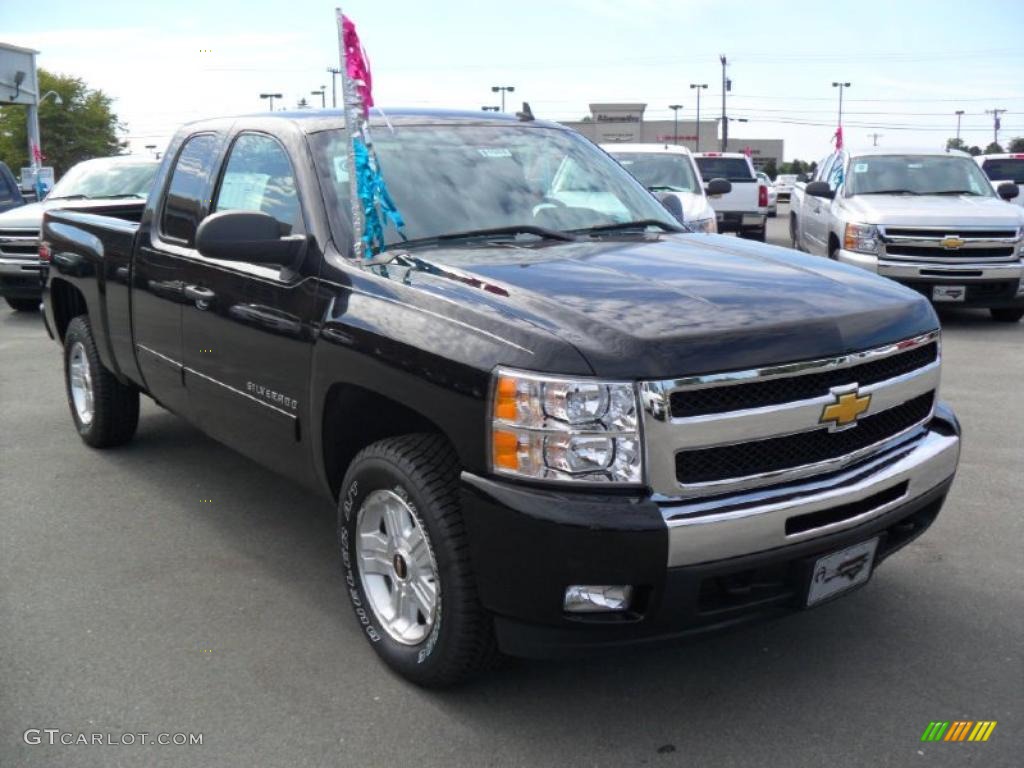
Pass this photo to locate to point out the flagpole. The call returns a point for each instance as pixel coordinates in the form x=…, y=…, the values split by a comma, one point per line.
x=354, y=111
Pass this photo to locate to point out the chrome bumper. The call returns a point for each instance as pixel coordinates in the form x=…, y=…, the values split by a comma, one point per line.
x=957, y=272
x=10, y=266
x=741, y=524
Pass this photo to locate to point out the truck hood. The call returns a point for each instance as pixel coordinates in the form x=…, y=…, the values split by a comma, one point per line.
x=932, y=210
x=31, y=216
x=665, y=306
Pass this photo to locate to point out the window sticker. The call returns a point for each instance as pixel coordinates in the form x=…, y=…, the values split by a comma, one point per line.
x=860, y=167
x=494, y=152
x=340, y=168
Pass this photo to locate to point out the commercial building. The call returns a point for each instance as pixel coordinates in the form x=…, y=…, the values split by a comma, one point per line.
x=611, y=123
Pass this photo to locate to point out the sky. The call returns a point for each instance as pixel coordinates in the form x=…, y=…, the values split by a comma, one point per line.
x=910, y=64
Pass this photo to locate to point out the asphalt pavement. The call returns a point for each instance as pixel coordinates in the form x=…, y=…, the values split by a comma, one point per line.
x=172, y=586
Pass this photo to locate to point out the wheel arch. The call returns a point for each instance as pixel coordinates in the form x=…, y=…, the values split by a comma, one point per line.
x=68, y=302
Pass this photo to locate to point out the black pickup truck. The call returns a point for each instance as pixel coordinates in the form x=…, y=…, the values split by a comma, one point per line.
x=553, y=420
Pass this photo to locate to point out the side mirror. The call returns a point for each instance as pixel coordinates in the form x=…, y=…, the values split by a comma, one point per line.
x=673, y=206
x=250, y=236
x=717, y=187
x=820, y=189
x=1008, y=190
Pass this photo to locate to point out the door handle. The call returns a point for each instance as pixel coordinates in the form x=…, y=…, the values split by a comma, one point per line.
x=201, y=296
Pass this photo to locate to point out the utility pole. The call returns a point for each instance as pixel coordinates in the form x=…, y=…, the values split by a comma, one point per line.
x=490, y=109
x=875, y=137
x=334, y=86
x=840, y=86
x=699, y=87
x=959, y=113
x=675, y=121
x=995, y=123
x=726, y=85
x=503, y=89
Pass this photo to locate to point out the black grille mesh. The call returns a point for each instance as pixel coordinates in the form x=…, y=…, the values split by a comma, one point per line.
x=735, y=397
x=779, y=453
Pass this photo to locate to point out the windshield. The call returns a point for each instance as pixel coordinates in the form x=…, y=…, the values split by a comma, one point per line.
x=728, y=168
x=785, y=178
x=660, y=170
x=447, y=179
x=106, y=179
x=916, y=175
x=1007, y=169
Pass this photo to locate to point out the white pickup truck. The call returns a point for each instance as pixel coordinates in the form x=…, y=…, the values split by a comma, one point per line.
x=927, y=218
x=1007, y=167
x=744, y=210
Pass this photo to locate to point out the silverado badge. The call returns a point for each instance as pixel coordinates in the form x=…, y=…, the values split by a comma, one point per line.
x=952, y=242
x=849, y=405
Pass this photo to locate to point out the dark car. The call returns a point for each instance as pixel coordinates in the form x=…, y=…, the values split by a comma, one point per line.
x=552, y=420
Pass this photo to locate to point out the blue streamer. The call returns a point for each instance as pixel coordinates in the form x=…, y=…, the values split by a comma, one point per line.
x=375, y=200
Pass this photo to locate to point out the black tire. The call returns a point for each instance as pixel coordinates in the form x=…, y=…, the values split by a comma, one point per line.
x=792, y=233
x=115, y=413
x=23, y=305
x=1007, y=314
x=423, y=470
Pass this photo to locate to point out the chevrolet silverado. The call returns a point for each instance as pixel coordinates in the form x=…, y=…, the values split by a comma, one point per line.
x=551, y=419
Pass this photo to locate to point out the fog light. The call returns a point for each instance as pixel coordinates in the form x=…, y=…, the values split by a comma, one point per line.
x=597, y=599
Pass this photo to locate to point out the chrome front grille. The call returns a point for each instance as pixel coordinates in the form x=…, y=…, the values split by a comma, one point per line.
x=976, y=245
x=738, y=430
x=19, y=244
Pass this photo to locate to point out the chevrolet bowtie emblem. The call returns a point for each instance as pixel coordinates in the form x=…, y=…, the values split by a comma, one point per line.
x=847, y=408
x=951, y=243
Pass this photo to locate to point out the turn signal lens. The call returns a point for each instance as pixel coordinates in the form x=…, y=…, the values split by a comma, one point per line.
x=44, y=252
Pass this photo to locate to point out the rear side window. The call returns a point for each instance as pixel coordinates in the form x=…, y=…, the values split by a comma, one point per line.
x=729, y=168
x=258, y=177
x=6, y=192
x=187, y=190
x=1008, y=169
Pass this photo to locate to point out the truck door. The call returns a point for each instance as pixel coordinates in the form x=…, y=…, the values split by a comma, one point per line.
x=246, y=329
x=157, y=296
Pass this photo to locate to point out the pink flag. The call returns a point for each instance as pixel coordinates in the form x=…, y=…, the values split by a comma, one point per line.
x=357, y=64
x=838, y=136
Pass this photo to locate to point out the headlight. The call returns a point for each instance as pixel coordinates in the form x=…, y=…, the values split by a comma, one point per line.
x=862, y=238
x=554, y=428
x=704, y=225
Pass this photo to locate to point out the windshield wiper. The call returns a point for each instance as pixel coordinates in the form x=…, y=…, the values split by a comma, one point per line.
x=668, y=188
x=956, y=192
x=889, y=192
x=473, y=234
x=122, y=194
x=69, y=197
x=627, y=225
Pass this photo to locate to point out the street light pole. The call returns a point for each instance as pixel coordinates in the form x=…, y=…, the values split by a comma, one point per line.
x=322, y=93
x=959, y=113
x=270, y=96
x=699, y=87
x=334, y=86
x=675, y=121
x=840, y=86
x=503, y=89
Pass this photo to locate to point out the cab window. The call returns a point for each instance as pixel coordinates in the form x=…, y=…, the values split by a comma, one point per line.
x=258, y=176
x=186, y=193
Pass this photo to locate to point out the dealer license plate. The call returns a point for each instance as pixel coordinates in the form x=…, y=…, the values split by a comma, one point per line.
x=841, y=571
x=949, y=292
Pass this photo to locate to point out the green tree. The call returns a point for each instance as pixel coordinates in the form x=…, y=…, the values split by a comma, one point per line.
x=1016, y=145
x=770, y=169
x=83, y=126
x=974, y=150
x=993, y=149
x=956, y=144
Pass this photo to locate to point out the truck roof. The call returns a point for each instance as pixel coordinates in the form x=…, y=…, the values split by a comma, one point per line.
x=904, y=150
x=672, y=149
x=313, y=120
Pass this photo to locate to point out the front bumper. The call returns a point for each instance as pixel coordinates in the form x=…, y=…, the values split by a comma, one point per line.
x=21, y=278
x=987, y=284
x=696, y=565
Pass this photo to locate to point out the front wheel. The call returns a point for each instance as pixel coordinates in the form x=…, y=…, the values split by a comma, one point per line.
x=406, y=561
x=23, y=305
x=1007, y=314
x=105, y=411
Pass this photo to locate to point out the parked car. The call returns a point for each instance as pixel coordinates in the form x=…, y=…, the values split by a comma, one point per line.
x=744, y=209
x=548, y=427
x=773, y=198
x=784, y=185
x=929, y=219
x=670, y=173
x=10, y=195
x=1007, y=167
x=92, y=183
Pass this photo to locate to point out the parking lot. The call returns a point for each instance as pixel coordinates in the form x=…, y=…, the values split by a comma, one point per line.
x=174, y=586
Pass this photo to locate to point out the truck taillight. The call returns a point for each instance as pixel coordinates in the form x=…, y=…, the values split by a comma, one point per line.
x=762, y=196
x=44, y=252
